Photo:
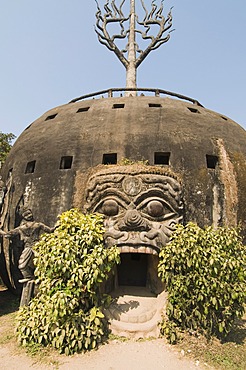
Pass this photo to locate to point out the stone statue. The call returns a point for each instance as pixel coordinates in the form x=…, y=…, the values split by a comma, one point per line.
x=2, y=193
x=141, y=206
x=29, y=232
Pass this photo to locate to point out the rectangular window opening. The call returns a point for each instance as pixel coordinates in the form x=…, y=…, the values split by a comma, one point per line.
x=83, y=109
x=109, y=158
x=152, y=105
x=52, y=116
x=212, y=161
x=30, y=167
x=28, y=127
x=224, y=118
x=66, y=162
x=118, y=106
x=193, y=110
x=162, y=158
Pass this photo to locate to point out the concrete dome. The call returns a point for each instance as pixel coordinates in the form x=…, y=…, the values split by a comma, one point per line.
x=49, y=163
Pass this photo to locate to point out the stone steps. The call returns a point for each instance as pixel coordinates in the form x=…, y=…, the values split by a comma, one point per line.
x=135, y=312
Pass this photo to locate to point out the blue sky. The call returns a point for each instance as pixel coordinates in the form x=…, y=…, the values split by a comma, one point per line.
x=50, y=55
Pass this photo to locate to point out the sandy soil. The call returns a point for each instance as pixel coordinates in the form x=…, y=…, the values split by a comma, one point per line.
x=113, y=356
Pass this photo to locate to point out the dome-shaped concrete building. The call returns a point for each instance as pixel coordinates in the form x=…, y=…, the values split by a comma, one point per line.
x=49, y=164
x=189, y=164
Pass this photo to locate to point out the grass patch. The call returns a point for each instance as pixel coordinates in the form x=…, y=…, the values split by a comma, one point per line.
x=113, y=337
x=43, y=355
x=229, y=355
x=9, y=305
x=7, y=334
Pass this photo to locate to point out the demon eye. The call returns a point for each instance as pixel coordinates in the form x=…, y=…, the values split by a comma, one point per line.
x=155, y=208
x=110, y=207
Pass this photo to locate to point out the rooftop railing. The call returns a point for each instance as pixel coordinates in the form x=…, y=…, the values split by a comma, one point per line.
x=157, y=92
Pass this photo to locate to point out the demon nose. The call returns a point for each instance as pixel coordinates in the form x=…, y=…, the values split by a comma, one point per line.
x=133, y=218
x=133, y=221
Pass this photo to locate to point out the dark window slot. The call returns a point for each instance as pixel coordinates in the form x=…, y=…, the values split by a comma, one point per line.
x=193, y=110
x=83, y=109
x=224, y=118
x=30, y=167
x=212, y=161
x=118, y=106
x=110, y=158
x=162, y=158
x=52, y=116
x=152, y=105
x=28, y=127
x=66, y=162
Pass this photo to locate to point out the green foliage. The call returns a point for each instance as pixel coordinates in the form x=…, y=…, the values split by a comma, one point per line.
x=205, y=271
x=128, y=162
x=5, y=145
x=70, y=264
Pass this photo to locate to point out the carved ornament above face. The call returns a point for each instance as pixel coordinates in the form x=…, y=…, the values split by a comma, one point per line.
x=141, y=206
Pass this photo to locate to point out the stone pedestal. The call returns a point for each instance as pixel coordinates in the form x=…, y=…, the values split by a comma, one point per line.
x=27, y=292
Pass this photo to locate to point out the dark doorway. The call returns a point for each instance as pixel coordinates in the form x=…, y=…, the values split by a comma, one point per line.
x=132, y=270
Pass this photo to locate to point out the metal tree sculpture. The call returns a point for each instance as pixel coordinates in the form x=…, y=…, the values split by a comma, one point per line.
x=132, y=56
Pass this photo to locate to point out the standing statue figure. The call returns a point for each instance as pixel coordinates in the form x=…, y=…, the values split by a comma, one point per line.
x=29, y=232
x=2, y=193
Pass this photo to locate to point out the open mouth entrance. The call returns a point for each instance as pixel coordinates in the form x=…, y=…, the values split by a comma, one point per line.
x=138, y=270
x=138, y=296
x=132, y=270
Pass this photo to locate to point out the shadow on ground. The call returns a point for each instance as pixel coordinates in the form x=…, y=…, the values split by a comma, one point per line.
x=238, y=334
x=8, y=301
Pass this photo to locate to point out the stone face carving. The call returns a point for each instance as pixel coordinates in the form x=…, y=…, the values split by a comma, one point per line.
x=141, y=206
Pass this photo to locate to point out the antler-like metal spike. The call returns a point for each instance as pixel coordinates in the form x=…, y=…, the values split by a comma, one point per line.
x=128, y=30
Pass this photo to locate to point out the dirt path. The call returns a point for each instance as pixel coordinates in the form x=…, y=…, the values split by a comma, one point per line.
x=115, y=355
x=154, y=354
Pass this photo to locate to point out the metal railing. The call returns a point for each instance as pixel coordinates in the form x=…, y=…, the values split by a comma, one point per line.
x=157, y=92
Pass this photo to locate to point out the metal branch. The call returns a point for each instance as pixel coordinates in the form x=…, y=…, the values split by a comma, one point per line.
x=101, y=28
x=113, y=13
x=158, y=40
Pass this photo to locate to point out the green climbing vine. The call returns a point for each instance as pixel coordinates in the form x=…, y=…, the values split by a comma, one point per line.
x=71, y=264
x=205, y=271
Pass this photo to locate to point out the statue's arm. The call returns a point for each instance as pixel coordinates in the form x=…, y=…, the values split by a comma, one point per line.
x=12, y=232
x=46, y=229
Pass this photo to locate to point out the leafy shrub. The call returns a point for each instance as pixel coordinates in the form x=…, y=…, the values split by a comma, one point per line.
x=204, y=270
x=70, y=264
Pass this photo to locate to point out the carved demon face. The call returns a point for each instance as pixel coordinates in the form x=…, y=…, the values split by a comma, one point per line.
x=141, y=207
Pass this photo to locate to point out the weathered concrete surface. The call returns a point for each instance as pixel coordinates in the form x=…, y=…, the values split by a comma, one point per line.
x=134, y=128
x=136, y=132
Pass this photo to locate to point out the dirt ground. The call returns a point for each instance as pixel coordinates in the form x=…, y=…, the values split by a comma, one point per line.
x=154, y=354
x=115, y=355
